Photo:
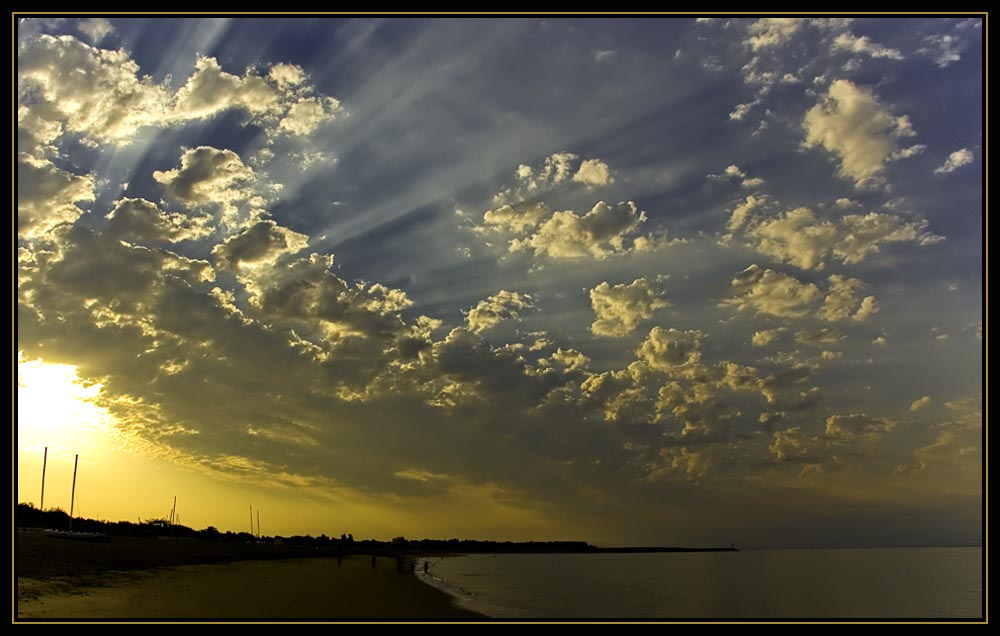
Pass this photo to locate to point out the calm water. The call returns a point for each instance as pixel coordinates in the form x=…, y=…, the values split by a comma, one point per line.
x=859, y=583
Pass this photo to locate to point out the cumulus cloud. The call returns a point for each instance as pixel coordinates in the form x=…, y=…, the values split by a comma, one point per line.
x=306, y=115
x=734, y=172
x=793, y=445
x=742, y=110
x=906, y=153
x=47, y=196
x=769, y=32
x=210, y=176
x=819, y=336
x=141, y=221
x=857, y=426
x=599, y=233
x=956, y=160
x=518, y=217
x=842, y=303
x=556, y=168
x=620, y=308
x=765, y=291
x=594, y=172
x=799, y=238
x=852, y=433
x=851, y=123
x=664, y=349
x=68, y=86
x=93, y=92
x=862, y=44
x=96, y=29
x=262, y=243
x=501, y=306
x=280, y=95
x=570, y=359
x=765, y=337
x=920, y=403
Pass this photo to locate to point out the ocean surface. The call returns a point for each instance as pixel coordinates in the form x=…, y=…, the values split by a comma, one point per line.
x=902, y=583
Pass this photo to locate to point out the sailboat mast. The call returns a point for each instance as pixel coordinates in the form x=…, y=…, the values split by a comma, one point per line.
x=45, y=462
x=72, y=496
x=258, y=523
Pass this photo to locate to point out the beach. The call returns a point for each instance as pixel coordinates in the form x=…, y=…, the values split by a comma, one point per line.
x=272, y=589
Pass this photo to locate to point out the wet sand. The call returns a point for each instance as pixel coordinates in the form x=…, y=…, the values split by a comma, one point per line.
x=303, y=589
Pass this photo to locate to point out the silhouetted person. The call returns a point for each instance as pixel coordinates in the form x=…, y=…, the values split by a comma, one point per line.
x=373, y=563
x=425, y=567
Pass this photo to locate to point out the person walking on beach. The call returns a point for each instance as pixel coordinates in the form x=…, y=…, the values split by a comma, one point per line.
x=425, y=567
x=373, y=563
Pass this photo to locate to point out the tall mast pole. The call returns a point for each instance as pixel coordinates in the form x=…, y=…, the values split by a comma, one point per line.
x=45, y=462
x=258, y=523
x=72, y=497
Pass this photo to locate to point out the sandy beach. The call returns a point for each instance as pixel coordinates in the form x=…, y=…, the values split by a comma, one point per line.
x=293, y=589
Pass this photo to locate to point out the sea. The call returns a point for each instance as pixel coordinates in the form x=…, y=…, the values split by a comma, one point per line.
x=824, y=584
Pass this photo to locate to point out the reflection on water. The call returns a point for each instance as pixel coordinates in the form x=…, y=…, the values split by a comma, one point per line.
x=905, y=583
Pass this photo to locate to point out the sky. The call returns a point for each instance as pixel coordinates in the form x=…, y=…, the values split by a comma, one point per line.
x=661, y=281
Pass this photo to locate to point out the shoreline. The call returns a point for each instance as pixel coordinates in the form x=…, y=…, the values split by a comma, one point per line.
x=309, y=589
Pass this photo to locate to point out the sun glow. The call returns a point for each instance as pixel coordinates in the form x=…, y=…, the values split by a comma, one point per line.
x=56, y=409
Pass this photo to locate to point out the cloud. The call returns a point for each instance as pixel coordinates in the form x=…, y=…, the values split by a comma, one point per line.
x=501, y=306
x=279, y=96
x=850, y=123
x=743, y=211
x=734, y=172
x=799, y=238
x=680, y=462
x=556, y=171
x=96, y=29
x=742, y=110
x=944, y=49
x=260, y=244
x=619, y=309
x=821, y=336
x=843, y=435
x=210, y=176
x=570, y=359
x=765, y=337
x=906, y=153
x=664, y=349
x=858, y=426
x=769, y=32
x=841, y=303
x=518, y=217
x=793, y=445
x=855, y=44
x=594, y=172
x=47, y=196
x=556, y=168
x=599, y=233
x=307, y=114
x=765, y=291
x=96, y=93
x=920, y=403
x=141, y=221
x=68, y=86
x=956, y=160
